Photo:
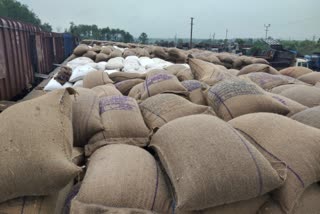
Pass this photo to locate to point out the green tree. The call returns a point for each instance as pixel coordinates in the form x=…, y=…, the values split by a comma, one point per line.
x=15, y=10
x=143, y=38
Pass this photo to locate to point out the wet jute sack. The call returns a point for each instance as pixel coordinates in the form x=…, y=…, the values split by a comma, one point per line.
x=123, y=176
x=36, y=146
x=280, y=138
x=215, y=165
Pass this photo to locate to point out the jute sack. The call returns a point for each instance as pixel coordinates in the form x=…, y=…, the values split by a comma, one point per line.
x=308, y=203
x=106, y=90
x=80, y=50
x=123, y=123
x=137, y=91
x=230, y=99
x=90, y=54
x=175, y=69
x=115, y=53
x=122, y=76
x=51, y=204
x=85, y=116
x=123, y=176
x=246, y=60
x=310, y=117
x=237, y=63
x=36, y=135
x=128, y=52
x=293, y=106
x=225, y=58
x=269, y=81
x=177, y=56
x=162, y=108
x=306, y=95
x=96, y=48
x=310, y=78
x=63, y=75
x=214, y=166
x=107, y=50
x=162, y=83
x=101, y=57
x=280, y=138
x=160, y=53
x=258, y=68
x=195, y=89
x=260, y=61
x=234, y=72
x=281, y=88
x=185, y=74
x=317, y=85
x=295, y=72
x=208, y=72
x=125, y=86
x=96, y=78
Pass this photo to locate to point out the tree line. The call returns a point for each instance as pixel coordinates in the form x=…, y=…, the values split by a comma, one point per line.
x=15, y=10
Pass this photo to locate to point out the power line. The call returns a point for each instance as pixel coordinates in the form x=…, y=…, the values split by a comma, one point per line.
x=267, y=29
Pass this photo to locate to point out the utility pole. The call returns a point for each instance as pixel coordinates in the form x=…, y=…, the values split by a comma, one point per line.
x=190, y=46
x=227, y=31
x=267, y=29
x=175, y=40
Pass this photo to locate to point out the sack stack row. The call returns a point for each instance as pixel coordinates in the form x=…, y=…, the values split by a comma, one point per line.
x=186, y=139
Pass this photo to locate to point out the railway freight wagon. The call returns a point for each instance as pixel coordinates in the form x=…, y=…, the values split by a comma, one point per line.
x=26, y=50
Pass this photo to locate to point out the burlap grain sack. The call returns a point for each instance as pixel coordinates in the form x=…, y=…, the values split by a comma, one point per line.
x=185, y=74
x=295, y=72
x=115, y=53
x=258, y=68
x=85, y=116
x=177, y=56
x=160, y=53
x=280, y=138
x=125, y=86
x=234, y=72
x=123, y=123
x=96, y=48
x=80, y=50
x=101, y=57
x=208, y=58
x=260, y=61
x=317, y=85
x=90, y=54
x=308, y=203
x=128, y=52
x=281, y=88
x=306, y=95
x=310, y=78
x=122, y=76
x=36, y=145
x=310, y=117
x=106, y=90
x=137, y=91
x=63, y=75
x=52, y=204
x=123, y=176
x=195, y=89
x=175, y=69
x=207, y=72
x=107, y=50
x=162, y=83
x=270, y=81
x=225, y=58
x=237, y=63
x=162, y=108
x=96, y=78
x=230, y=99
x=214, y=166
x=293, y=106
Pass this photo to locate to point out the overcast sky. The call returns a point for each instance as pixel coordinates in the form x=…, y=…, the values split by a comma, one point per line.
x=289, y=19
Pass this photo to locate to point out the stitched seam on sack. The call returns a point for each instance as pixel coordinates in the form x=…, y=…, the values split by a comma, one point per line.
x=157, y=186
x=153, y=113
x=254, y=160
x=275, y=157
x=23, y=204
x=220, y=99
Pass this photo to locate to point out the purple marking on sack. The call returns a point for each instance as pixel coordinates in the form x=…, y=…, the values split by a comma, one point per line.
x=158, y=78
x=121, y=103
x=280, y=100
x=191, y=85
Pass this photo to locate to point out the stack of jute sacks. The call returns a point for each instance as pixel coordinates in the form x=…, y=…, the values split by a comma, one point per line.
x=179, y=139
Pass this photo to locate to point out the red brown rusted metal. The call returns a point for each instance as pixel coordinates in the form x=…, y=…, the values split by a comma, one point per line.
x=24, y=50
